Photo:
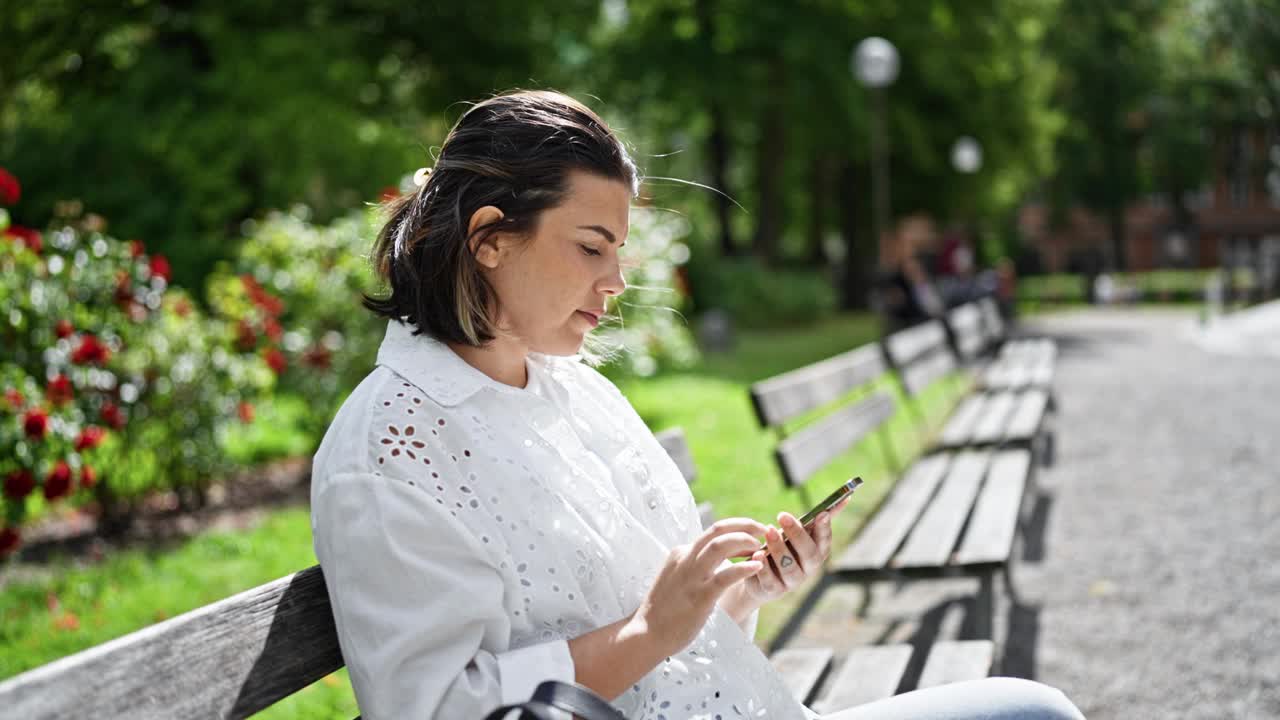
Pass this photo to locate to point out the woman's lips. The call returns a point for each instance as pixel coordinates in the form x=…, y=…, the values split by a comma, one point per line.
x=595, y=321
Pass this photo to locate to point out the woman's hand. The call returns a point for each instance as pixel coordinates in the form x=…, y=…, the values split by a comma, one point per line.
x=789, y=563
x=693, y=579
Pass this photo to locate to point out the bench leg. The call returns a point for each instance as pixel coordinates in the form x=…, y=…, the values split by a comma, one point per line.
x=979, y=624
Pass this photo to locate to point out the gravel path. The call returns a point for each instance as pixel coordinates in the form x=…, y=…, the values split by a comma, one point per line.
x=1153, y=590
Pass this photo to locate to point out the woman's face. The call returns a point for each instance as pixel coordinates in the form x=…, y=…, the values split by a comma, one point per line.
x=552, y=286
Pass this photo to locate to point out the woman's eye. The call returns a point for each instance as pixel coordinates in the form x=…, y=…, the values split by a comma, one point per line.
x=589, y=250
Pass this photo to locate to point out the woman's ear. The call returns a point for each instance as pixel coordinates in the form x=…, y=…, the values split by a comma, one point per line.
x=485, y=250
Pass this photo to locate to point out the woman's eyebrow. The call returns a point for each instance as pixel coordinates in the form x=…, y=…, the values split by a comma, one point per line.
x=602, y=230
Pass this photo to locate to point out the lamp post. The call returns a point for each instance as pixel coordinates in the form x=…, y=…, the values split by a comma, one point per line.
x=875, y=64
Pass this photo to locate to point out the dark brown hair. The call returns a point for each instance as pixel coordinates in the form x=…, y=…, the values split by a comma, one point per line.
x=514, y=152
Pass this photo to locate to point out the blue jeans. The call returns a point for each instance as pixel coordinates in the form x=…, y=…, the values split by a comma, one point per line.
x=998, y=698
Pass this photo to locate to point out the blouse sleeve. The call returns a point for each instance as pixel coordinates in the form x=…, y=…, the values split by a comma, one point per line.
x=415, y=598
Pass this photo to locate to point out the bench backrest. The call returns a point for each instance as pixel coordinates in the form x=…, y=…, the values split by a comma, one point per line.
x=920, y=355
x=230, y=659
x=786, y=396
x=968, y=331
x=992, y=320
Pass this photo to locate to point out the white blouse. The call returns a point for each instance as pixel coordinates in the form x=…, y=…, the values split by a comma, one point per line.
x=467, y=529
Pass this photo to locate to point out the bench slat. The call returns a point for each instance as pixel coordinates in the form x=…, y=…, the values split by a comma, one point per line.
x=802, y=669
x=961, y=425
x=673, y=441
x=989, y=538
x=886, y=529
x=907, y=346
x=1027, y=416
x=919, y=375
x=995, y=417
x=936, y=534
x=966, y=324
x=868, y=674
x=227, y=660
x=810, y=449
x=785, y=396
x=957, y=661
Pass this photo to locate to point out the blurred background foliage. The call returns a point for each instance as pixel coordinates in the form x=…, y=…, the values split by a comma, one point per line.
x=179, y=121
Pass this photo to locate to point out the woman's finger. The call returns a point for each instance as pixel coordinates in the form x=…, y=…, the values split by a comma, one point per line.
x=822, y=535
x=789, y=569
x=721, y=527
x=721, y=548
x=800, y=540
x=727, y=575
x=770, y=583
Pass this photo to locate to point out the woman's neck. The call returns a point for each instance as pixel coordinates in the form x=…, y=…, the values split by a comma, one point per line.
x=503, y=359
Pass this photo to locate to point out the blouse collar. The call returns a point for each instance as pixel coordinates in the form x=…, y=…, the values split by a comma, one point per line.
x=437, y=370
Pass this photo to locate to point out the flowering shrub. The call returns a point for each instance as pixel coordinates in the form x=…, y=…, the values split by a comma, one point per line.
x=648, y=325
x=319, y=271
x=114, y=383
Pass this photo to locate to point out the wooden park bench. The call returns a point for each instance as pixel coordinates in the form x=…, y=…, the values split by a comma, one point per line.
x=950, y=514
x=235, y=657
x=997, y=417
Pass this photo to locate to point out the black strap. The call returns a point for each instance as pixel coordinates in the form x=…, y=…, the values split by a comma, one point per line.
x=571, y=698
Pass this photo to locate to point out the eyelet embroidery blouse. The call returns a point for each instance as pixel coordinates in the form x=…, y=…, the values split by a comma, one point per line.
x=467, y=529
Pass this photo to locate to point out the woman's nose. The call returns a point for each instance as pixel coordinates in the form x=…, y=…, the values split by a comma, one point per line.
x=613, y=283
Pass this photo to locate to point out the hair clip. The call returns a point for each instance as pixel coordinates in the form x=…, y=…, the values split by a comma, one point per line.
x=420, y=177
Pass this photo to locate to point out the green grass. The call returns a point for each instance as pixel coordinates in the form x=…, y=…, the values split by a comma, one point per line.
x=131, y=590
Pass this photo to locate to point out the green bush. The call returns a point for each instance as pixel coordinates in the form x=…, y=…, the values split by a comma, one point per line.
x=762, y=297
x=318, y=271
x=115, y=383
x=646, y=325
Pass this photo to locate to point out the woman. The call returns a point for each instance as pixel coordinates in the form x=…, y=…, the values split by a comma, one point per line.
x=489, y=511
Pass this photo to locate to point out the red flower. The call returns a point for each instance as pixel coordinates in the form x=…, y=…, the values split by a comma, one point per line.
x=9, y=541
x=160, y=267
x=19, y=484
x=318, y=356
x=88, y=478
x=57, y=483
x=14, y=398
x=124, y=288
x=112, y=415
x=390, y=192
x=90, y=438
x=272, y=329
x=245, y=337
x=10, y=190
x=27, y=236
x=64, y=329
x=275, y=359
x=246, y=412
x=91, y=351
x=136, y=248
x=59, y=390
x=35, y=424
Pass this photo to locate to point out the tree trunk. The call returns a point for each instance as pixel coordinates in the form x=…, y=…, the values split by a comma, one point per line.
x=718, y=141
x=769, y=166
x=855, y=286
x=1115, y=220
x=819, y=191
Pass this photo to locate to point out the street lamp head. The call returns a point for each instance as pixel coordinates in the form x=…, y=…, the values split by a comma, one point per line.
x=966, y=155
x=875, y=62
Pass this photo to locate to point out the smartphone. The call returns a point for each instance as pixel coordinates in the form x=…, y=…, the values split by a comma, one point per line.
x=827, y=503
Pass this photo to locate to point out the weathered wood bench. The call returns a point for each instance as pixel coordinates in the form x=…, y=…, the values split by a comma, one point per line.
x=1015, y=363
x=1008, y=416
x=230, y=659
x=865, y=674
x=950, y=514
